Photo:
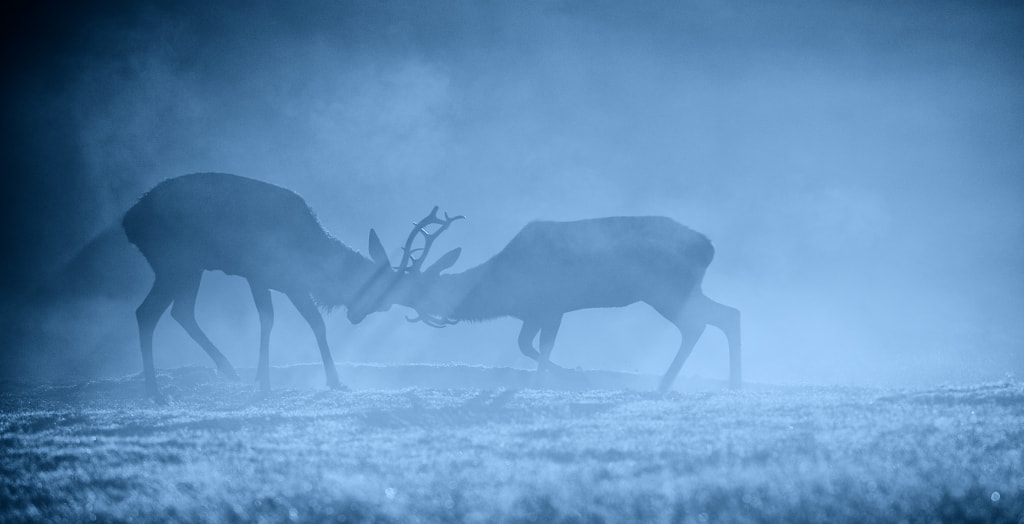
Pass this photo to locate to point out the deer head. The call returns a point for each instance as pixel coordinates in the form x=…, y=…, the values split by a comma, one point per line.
x=403, y=284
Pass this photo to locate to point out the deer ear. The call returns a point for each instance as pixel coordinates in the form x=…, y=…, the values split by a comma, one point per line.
x=377, y=251
x=445, y=262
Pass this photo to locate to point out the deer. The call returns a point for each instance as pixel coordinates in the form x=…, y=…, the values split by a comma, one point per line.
x=262, y=232
x=551, y=268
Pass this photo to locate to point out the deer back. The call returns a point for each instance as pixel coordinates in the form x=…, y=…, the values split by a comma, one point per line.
x=217, y=221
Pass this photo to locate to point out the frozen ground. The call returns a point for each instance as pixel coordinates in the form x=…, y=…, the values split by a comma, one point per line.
x=506, y=447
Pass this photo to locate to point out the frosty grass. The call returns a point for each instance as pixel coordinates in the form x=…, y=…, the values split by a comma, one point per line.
x=218, y=452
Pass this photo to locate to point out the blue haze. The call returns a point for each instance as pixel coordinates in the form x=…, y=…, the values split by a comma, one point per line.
x=858, y=166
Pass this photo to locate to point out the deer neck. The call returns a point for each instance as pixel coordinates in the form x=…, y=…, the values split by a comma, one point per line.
x=340, y=275
x=461, y=296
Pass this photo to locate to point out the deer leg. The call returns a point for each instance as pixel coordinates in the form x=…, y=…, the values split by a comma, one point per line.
x=726, y=319
x=547, y=341
x=184, y=311
x=690, y=326
x=147, y=314
x=308, y=310
x=526, y=335
x=265, y=307
x=690, y=333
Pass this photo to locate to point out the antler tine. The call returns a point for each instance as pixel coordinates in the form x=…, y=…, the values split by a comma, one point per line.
x=417, y=227
x=411, y=263
x=429, y=238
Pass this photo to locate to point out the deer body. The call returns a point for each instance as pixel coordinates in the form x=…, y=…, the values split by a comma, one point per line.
x=557, y=267
x=552, y=268
x=262, y=232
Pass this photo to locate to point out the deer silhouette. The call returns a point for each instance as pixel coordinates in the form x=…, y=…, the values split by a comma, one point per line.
x=262, y=232
x=552, y=268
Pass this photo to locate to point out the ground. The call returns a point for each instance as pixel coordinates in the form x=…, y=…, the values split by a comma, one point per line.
x=506, y=446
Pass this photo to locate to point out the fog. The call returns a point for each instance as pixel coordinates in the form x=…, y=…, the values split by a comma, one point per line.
x=858, y=166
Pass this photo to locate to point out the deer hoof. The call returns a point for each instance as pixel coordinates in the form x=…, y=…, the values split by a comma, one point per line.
x=550, y=367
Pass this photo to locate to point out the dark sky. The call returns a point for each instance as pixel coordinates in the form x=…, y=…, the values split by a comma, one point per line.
x=858, y=165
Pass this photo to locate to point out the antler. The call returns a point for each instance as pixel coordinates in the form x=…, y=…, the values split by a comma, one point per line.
x=432, y=321
x=413, y=264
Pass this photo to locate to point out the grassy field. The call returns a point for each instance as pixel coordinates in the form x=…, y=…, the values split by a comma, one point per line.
x=507, y=448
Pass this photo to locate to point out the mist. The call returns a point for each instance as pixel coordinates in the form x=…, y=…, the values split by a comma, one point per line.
x=858, y=167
